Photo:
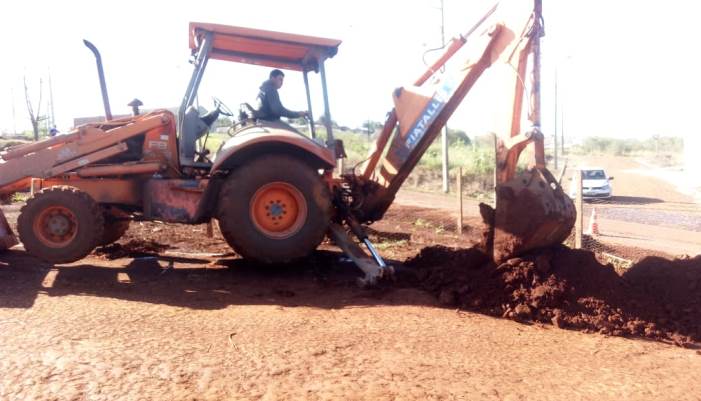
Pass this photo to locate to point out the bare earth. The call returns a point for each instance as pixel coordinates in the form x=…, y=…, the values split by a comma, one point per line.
x=99, y=332
x=198, y=323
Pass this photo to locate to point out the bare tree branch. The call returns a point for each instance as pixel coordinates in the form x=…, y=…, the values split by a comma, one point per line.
x=30, y=109
x=33, y=117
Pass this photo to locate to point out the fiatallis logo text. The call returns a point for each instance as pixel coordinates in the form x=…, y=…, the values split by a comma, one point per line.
x=429, y=114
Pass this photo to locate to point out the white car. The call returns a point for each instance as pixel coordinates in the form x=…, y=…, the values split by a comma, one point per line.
x=595, y=184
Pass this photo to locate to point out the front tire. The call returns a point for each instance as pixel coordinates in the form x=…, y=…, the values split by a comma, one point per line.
x=274, y=209
x=60, y=224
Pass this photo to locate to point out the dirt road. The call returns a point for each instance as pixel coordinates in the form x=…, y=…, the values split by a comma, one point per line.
x=199, y=323
x=645, y=212
x=98, y=331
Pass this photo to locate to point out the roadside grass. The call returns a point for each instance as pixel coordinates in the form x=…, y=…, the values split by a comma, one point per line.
x=476, y=160
x=662, y=151
x=214, y=141
x=421, y=223
x=10, y=142
x=19, y=197
x=388, y=244
x=476, y=157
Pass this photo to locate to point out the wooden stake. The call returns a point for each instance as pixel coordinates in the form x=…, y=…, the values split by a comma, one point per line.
x=579, y=223
x=210, y=228
x=459, y=192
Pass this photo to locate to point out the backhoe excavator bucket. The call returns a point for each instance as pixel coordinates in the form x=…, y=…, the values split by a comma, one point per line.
x=7, y=238
x=532, y=211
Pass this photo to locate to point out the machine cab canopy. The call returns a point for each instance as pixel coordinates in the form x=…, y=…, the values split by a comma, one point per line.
x=265, y=48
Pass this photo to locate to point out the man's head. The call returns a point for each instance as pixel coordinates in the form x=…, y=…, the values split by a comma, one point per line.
x=277, y=77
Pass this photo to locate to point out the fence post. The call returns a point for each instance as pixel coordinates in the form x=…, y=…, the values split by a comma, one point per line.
x=210, y=228
x=579, y=223
x=458, y=186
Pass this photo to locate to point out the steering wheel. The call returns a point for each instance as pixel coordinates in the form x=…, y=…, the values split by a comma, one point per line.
x=223, y=109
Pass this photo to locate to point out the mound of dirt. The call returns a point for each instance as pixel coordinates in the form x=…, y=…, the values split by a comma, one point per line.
x=657, y=298
x=130, y=249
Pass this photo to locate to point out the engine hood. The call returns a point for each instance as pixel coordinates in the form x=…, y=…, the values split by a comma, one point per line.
x=256, y=135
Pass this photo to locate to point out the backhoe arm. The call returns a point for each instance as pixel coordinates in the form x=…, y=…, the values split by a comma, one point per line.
x=510, y=34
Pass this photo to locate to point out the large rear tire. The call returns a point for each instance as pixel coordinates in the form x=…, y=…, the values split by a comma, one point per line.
x=60, y=224
x=274, y=209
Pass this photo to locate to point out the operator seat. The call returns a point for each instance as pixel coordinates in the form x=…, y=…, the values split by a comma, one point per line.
x=247, y=114
x=193, y=128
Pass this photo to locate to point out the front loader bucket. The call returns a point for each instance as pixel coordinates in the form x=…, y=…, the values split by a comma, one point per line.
x=7, y=238
x=532, y=212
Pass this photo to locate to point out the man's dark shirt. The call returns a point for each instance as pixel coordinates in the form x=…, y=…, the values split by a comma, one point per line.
x=269, y=106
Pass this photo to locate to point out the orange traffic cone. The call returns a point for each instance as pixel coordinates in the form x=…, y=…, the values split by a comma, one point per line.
x=593, y=224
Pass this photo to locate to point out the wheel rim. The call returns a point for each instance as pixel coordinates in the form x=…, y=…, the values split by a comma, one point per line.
x=278, y=210
x=56, y=226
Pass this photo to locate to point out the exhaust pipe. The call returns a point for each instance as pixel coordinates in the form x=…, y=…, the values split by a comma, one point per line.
x=101, y=74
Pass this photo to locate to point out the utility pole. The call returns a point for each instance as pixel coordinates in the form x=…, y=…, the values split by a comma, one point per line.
x=555, y=133
x=562, y=109
x=562, y=124
x=14, y=117
x=444, y=135
x=52, y=117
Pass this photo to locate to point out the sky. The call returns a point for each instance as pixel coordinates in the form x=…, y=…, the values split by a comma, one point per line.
x=623, y=68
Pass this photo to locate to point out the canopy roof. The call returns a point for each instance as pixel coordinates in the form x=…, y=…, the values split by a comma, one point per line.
x=266, y=48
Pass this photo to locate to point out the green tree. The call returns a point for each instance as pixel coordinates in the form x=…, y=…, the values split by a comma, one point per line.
x=458, y=136
x=222, y=121
x=322, y=121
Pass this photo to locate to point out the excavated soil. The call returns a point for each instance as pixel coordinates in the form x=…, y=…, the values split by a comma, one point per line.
x=657, y=299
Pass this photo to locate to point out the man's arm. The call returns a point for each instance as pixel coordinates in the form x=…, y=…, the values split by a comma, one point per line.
x=277, y=108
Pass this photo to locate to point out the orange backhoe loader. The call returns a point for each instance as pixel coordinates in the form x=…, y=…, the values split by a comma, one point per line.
x=273, y=189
